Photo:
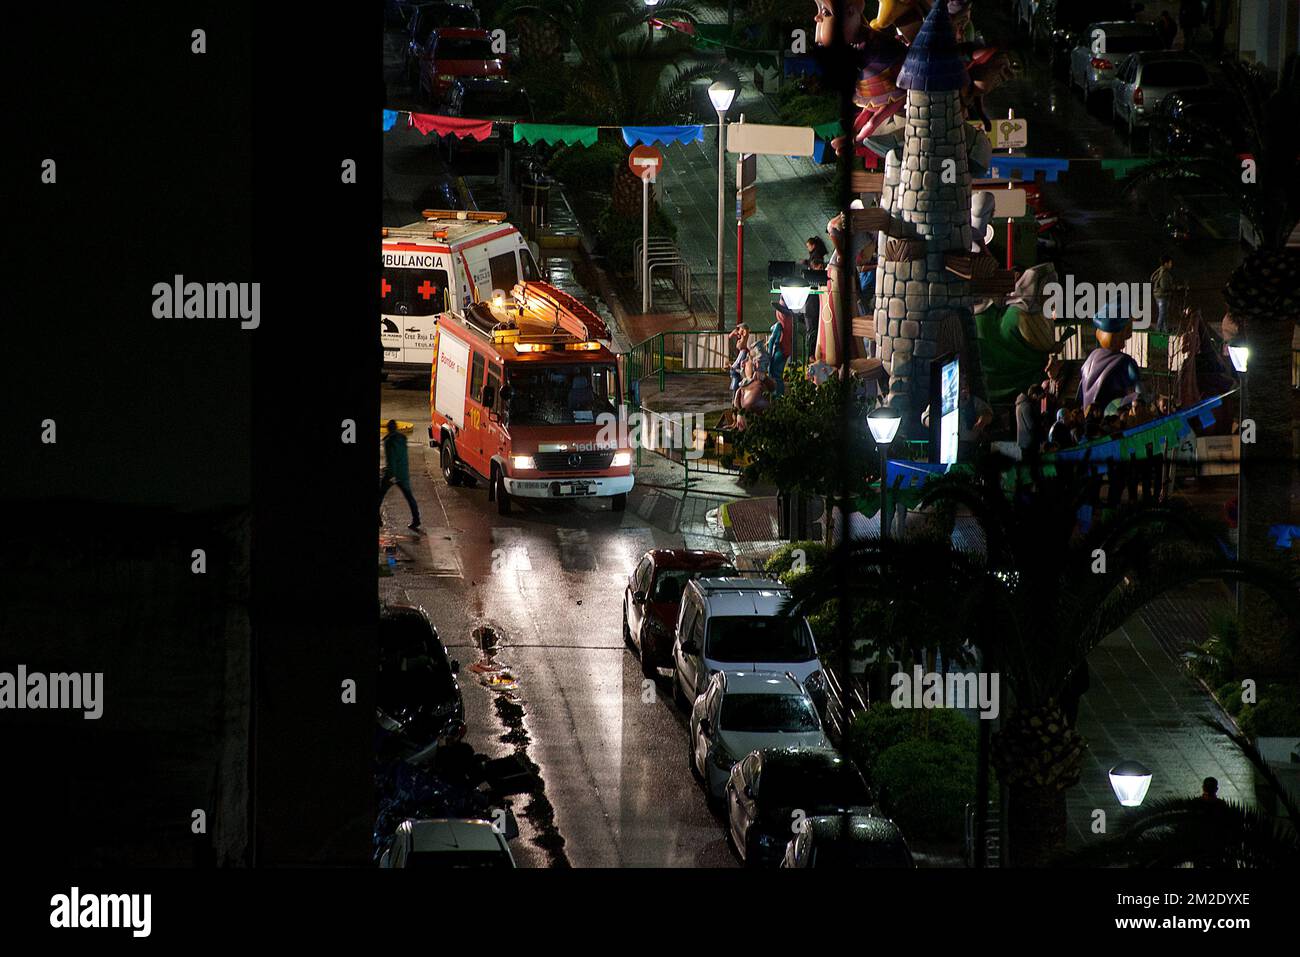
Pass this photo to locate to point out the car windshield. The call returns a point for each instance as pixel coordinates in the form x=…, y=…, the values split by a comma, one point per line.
x=1174, y=74
x=863, y=854
x=494, y=103
x=437, y=15
x=758, y=638
x=670, y=581
x=464, y=48
x=768, y=713
x=441, y=859
x=813, y=786
x=561, y=394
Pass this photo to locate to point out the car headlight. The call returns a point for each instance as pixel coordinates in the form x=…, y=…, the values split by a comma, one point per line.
x=446, y=77
x=621, y=460
x=522, y=462
x=815, y=683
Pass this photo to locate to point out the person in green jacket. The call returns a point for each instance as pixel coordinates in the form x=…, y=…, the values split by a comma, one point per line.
x=397, y=471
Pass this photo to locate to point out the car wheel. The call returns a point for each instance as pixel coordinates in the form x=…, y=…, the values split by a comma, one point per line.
x=648, y=653
x=627, y=632
x=447, y=459
x=619, y=502
x=679, y=695
x=502, y=496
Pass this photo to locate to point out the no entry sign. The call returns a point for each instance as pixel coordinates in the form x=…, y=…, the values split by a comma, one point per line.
x=646, y=162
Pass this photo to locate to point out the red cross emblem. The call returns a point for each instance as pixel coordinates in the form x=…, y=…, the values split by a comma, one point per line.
x=384, y=287
x=426, y=290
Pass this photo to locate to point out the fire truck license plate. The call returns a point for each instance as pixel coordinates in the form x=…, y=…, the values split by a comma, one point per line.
x=573, y=488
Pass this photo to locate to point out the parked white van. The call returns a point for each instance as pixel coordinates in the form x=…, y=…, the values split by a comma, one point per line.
x=447, y=263
x=733, y=624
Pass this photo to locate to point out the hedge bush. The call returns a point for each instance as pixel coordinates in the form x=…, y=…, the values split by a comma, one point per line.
x=1229, y=696
x=782, y=560
x=925, y=786
x=1275, y=714
x=883, y=726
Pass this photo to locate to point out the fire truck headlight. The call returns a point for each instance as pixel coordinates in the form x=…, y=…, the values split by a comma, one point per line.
x=522, y=462
x=621, y=460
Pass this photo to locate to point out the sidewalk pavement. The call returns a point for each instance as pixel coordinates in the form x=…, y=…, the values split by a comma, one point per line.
x=792, y=205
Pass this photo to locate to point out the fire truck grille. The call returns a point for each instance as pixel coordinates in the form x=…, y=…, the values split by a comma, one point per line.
x=574, y=461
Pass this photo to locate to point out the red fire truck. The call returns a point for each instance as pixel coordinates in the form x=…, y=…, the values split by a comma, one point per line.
x=524, y=394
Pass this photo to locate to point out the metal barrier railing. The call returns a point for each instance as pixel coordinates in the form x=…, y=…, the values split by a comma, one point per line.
x=663, y=255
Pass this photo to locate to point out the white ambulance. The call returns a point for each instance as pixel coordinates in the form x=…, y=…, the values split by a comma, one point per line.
x=445, y=264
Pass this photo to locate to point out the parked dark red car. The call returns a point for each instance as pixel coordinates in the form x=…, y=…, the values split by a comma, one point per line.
x=456, y=52
x=654, y=596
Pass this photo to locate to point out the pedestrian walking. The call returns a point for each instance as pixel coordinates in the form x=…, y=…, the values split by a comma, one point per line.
x=397, y=471
x=1163, y=286
x=1167, y=29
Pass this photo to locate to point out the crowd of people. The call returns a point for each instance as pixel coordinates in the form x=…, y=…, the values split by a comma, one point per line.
x=1046, y=423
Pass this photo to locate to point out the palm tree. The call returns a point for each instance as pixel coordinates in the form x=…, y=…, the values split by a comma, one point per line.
x=1035, y=603
x=590, y=25
x=1263, y=293
x=1226, y=835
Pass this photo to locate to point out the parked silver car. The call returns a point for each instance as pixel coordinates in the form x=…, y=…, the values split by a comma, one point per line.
x=1103, y=48
x=1146, y=78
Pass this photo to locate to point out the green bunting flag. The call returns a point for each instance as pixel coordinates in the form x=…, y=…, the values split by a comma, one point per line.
x=551, y=134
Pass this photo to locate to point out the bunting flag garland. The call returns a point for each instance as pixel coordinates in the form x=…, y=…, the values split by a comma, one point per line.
x=1002, y=166
x=390, y=119
x=452, y=125
x=650, y=135
x=551, y=133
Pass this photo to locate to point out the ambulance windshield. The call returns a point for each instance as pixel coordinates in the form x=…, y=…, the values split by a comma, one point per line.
x=561, y=395
x=413, y=292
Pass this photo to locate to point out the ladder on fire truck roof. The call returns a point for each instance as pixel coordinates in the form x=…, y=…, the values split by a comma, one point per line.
x=465, y=215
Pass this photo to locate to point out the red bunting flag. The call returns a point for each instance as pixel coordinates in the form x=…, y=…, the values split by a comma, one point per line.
x=455, y=125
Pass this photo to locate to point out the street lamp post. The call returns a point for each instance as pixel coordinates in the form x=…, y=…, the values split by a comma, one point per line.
x=883, y=422
x=649, y=24
x=1239, y=353
x=721, y=93
x=795, y=296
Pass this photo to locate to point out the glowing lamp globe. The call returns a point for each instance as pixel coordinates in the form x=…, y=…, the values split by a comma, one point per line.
x=721, y=94
x=795, y=295
x=1130, y=781
x=883, y=423
x=1239, y=353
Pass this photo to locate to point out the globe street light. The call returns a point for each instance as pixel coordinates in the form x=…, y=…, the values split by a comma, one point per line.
x=721, y=93
x=795, y=296
x=883, y=421
x=1130, y=781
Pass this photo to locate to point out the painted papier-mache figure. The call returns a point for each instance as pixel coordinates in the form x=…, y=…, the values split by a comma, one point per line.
x=1109, y=373
x=1017, y=338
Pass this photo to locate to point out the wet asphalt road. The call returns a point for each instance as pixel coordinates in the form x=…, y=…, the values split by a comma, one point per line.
x=549, y=579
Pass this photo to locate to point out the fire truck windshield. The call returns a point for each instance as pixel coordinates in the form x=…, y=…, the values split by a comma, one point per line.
x=561, y=395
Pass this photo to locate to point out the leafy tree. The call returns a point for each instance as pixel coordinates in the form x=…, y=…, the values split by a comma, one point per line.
x=797, y=445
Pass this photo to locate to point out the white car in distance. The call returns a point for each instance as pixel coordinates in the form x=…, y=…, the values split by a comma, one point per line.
x=744, y=711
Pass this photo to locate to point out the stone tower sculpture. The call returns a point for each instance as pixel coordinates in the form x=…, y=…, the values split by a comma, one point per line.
x=922, y=308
